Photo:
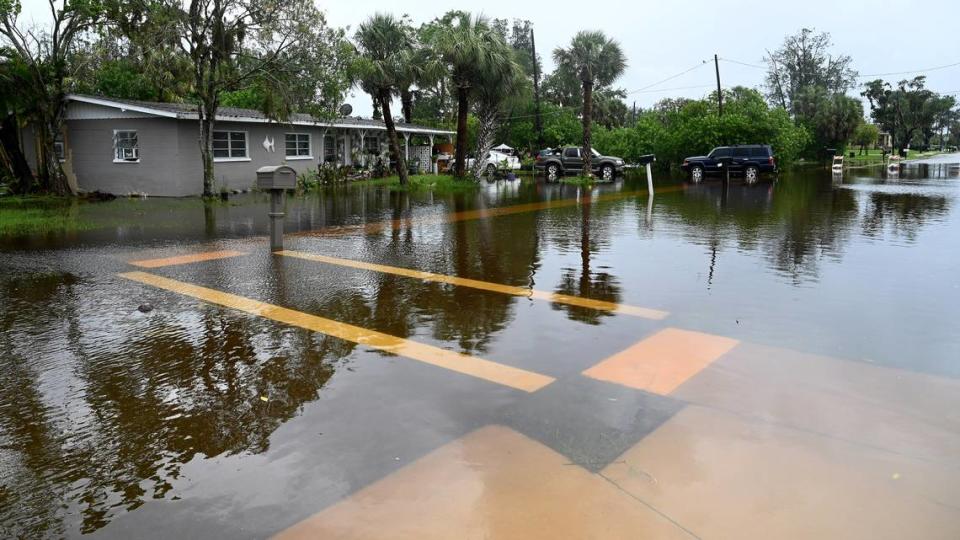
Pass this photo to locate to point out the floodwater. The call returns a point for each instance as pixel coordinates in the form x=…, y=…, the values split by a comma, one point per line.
x=530, y=360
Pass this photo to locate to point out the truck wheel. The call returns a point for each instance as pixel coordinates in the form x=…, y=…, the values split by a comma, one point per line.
x=606, y=172
x=696, y=174
x=553, y=171
x=751, y=174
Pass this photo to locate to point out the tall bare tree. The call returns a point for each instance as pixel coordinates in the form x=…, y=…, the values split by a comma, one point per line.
x=45, y=52
x=235, y=42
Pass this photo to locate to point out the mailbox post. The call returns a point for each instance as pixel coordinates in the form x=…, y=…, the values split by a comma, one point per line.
x=276, y=179
x=648, y=160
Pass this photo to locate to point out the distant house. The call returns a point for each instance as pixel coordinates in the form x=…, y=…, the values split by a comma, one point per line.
x=884, y=140
x=122, y=146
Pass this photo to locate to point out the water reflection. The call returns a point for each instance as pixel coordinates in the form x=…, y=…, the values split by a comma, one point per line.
x=107, y=422
x=100, y=408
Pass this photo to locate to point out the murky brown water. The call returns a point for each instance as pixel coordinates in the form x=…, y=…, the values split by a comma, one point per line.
x=208, y=422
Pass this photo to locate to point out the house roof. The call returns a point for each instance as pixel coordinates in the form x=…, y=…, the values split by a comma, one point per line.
x=189, y=111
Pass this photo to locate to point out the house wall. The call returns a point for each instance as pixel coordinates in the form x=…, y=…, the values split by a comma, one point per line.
x=90, y=145
x=243, y=174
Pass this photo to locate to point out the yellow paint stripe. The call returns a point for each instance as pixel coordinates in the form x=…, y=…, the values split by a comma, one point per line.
x=663, y=361
x=187, y=259
x=483, y=285
x=461, y=363
x=482, y=213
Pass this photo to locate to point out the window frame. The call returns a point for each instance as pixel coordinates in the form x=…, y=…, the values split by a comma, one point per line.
x=376, y=143
x=329, y=148
x=230, y=157
x=136, y=148
x=297, y=156
x=716, y=152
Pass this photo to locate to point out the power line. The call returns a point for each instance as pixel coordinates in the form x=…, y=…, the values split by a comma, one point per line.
x=670, y=78
x=672, y=89
x=742, y=63
x=911, y=71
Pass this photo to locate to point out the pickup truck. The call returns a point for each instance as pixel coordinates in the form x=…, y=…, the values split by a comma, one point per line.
x=556, y=162
x=750, y=160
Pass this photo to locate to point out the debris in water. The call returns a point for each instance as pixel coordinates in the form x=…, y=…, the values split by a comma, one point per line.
x=144, y=308
x=264, y=398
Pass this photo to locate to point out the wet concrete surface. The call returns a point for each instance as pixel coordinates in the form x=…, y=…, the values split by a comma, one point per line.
x=803, y=380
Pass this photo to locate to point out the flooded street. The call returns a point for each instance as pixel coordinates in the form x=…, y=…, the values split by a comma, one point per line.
x=777, y=360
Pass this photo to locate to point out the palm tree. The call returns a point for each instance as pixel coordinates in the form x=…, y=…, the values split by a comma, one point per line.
x=385, y=43
x=598, y=61
x=472, y=50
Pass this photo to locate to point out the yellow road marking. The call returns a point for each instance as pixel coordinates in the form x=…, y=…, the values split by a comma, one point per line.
x=461, y=363
x=186, y=259
x=483, y=285
x=663, y=361
x=491, y=483
x=482, y=213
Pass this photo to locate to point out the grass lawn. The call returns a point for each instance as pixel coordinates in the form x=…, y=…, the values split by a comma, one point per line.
x=41, y=214
x=579, y=180
x=425, y=182
x=875, y=156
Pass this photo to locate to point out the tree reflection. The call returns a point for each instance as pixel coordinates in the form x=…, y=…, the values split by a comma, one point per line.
x=587, y=283
x=117, y=431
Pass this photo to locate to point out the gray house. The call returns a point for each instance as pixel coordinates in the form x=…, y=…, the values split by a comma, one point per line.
x=134, y=147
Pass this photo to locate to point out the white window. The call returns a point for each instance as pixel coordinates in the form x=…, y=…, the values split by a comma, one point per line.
x=230, y=146
x=126, y=147
x=298, y=146
x=372, y=145
x=329, y=149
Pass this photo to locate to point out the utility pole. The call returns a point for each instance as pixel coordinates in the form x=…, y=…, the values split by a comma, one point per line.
x=537, y=122
x=716, y=66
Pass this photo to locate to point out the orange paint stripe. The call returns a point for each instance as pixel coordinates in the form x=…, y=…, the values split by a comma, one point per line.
x=663, y=361
x=187, y=259
x=520, y=379
x=483, y=285
x=468, y=215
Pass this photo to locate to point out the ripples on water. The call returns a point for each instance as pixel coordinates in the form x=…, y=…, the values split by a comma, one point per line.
x=101, y=406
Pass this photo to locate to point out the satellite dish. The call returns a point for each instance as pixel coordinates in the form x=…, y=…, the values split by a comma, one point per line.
x=346, y=109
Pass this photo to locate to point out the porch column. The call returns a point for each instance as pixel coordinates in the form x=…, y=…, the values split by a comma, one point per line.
x=363, y=148
x=406, y=145
x=323, y=142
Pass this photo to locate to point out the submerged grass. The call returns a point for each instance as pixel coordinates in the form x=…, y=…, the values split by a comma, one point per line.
x=578, y=180
x=425, y=182
x=41, y=214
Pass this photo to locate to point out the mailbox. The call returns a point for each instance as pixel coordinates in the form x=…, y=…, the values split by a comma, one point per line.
x=276, y=177
x=647, y=159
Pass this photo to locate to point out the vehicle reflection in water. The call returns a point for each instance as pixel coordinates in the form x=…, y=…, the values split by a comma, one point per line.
x=101, y=406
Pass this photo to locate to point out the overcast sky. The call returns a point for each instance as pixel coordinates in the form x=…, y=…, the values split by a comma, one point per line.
x=662, y=39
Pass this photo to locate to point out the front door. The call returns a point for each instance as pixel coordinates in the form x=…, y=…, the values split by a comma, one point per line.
x=572, y=160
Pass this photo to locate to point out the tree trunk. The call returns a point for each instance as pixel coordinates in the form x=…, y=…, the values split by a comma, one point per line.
x=460, y=153
x=406, y=105
x=52, y=179
x=206, y=148
x=486, y=128
x=399, y=158
x=13, y=154
x=587, y=119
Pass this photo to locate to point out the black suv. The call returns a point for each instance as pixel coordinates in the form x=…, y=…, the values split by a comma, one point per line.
x=556, y=162
x=748, y=159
